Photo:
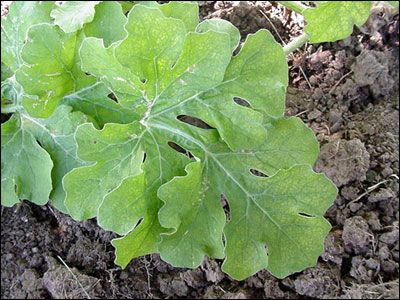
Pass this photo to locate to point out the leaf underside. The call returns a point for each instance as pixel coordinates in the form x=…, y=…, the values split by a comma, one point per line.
x=142, y=129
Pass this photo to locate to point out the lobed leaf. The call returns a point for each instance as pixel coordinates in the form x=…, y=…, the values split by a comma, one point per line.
x=138, y=166
x=26, y=172
x=167, y=135
x=334, y=20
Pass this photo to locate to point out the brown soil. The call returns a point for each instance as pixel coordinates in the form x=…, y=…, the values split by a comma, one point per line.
x=351, y=103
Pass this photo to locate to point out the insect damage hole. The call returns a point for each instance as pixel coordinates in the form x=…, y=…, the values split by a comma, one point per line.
x=258, y=173
x=306, y=215
x=194, y=122
x=225, y=206
x=241, y=102
x=112, y=97
x=179, y=149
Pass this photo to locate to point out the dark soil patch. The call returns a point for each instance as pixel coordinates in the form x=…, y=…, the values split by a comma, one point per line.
x=351, y=103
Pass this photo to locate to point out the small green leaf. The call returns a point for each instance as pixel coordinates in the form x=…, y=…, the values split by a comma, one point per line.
x=108, y=23
x=72, y=15
x=334, y=20
x=25, y=166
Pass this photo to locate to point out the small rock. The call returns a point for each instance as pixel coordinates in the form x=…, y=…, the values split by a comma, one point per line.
x=389, y=266
x=384, y=252
x=390, y=238
x=336, y=127
x=343, y=161
x=386, y=172
x=372, y=264
x=381, y=195
x=356, y=235
x=333, y=249
x=314, y=114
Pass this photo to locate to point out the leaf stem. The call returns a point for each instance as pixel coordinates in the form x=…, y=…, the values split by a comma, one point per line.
x=295, y=6
x=296, y=43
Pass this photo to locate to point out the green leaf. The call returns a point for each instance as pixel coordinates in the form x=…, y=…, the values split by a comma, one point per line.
x=127, y=5
x=334, y=20
x=25, y=166
x=272, y=216
x=189, y=74
x=22, y=15
x=192, y=209
x=93, y=101
x=56, y=136
x=108, y=23
x=11, y=95
x=187, y=12
x=220, y=25
x=72, y=15
x=54, y=72
x=115, y=150
x=167, y=139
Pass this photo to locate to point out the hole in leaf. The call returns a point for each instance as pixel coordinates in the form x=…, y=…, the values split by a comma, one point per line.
x=306, y=215
x=15, y=188
x=88, y=74
x=179, y=149
x=138, y=223
x=194, y=122
x=144, y=158
x=95, y=142
x=225, y=206
x=258, y=173
x=5, y=117
x=113, y=97
x=143, y=80
x=241, y=102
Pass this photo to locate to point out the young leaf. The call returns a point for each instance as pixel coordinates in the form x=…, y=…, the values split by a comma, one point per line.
x=72, y=15
x=334, y=20
x=25, y=166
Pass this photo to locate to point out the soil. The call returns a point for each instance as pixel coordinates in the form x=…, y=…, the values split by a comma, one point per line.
x=347, y=93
